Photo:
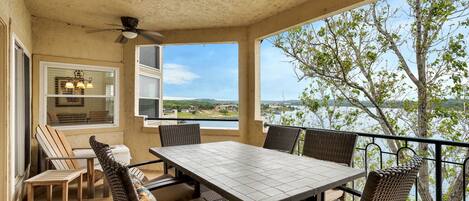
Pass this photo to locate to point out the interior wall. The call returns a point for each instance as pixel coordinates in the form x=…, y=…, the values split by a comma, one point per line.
x=14, y=20
x=56, y=41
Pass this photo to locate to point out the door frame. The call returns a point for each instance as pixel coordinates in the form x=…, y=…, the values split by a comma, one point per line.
x=17, y=182
x=5, y=181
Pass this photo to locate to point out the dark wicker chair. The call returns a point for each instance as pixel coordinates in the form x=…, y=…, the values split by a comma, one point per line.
x=330, y=146
x=165, y=187
x=281, y=138
x=173, y=135
x=392, y=184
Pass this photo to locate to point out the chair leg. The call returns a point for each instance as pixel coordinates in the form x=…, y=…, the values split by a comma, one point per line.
x=106, y=189
x=90, y=182
x=165, y=168
x=80, y=188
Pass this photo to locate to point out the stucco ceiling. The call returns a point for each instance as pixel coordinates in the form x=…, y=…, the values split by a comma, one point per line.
x=161, y=14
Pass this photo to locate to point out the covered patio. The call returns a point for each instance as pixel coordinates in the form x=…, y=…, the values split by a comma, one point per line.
x=47, y=35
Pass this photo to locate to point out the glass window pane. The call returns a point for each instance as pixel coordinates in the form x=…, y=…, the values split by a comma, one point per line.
x=149, y=56
x=62, y=111
x=64, y=81
x=149, y=107
x=149, y=87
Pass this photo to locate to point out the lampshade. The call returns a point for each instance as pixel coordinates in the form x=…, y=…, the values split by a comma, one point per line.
x=80, y=85
x=89, y=85
x=69, y=85
x=129, y=34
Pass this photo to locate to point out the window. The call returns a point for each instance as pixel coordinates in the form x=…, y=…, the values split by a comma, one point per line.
x=21, y=110
x=149, y=96
x=79, y=95
x=149, y=80
x=149, y=56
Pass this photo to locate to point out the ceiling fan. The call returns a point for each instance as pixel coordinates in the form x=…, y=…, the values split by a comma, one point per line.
x=129, y=30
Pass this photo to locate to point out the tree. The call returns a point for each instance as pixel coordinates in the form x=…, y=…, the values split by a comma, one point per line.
x=416, y=53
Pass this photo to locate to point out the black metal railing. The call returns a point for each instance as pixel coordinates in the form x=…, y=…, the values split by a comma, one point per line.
x=438, y=159
x=191, y=119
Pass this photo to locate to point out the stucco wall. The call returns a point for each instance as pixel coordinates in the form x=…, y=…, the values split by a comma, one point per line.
x=57, y=41
x=15, y=20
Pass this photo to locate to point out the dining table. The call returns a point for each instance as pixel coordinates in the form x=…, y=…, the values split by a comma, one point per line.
x=239, y=171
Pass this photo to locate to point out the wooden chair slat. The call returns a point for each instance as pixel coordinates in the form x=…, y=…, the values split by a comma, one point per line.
x=49, y=147
x=66, y=146
x=58, y=143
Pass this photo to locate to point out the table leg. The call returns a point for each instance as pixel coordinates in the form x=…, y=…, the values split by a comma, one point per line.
x=80, y=188
x=65, y=191
x=196, y=190
x=90, y=173
x=30, y=192
x=49, y=192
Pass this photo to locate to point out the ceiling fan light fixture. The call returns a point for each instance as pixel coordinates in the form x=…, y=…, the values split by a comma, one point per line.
x=129, y=34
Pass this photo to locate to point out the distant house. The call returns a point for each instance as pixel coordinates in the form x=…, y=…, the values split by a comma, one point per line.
x=227, y=107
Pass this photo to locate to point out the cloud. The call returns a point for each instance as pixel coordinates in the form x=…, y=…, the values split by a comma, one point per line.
x=177, y=74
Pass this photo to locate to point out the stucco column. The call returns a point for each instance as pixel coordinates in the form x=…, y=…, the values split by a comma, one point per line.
x=255, y=134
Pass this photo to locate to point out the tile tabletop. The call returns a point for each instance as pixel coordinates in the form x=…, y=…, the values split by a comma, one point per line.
x=244, y=172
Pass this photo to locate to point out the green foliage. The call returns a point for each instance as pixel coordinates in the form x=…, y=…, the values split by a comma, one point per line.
x=409, y=57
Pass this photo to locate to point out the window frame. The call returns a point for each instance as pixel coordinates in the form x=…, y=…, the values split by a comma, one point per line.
x=152, y=72
x=44, y=65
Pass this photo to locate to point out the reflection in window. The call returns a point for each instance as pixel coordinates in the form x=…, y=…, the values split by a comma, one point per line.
x=149, y=96
x=80, y=97
x=149, y=56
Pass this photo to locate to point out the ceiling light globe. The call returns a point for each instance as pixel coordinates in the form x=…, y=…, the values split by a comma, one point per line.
x=129, y=34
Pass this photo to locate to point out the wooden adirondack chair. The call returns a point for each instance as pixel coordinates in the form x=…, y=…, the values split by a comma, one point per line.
x=60, y=154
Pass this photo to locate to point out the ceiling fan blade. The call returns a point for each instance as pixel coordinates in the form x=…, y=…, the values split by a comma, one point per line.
x=114, y=25
x=102, y=30
x=150, y=38
x=154, y=33
x=121, y=39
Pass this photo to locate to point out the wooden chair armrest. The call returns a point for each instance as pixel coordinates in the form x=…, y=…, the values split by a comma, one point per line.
x=349, y=190
x=166, y=182
x=70, y=158
x=80, y=148
x=144, y=163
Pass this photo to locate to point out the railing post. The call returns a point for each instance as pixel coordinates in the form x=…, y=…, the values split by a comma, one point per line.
x=438, y=172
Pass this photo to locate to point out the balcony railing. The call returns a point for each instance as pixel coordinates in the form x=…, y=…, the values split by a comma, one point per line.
x=406, y=141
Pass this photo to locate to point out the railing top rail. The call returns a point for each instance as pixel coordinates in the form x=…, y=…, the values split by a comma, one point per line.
x=191, y=119
x=392, y=137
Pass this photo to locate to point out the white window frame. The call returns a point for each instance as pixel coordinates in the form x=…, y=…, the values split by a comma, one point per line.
x=15, y=40
x=43, y=93
x=152, y=72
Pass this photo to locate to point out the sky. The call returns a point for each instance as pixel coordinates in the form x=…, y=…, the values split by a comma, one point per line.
x=211, y=71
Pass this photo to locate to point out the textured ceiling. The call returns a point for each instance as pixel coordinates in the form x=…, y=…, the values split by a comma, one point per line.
x=161, y=14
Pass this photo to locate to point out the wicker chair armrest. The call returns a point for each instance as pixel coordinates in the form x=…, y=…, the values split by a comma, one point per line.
x=166, y=182
x=144, y=163
x=349, y=190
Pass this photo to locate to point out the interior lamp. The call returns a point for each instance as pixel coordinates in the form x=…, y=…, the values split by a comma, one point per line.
x=69, y=85
x=89, y=85
x=80, y=85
